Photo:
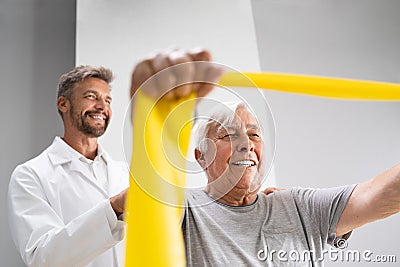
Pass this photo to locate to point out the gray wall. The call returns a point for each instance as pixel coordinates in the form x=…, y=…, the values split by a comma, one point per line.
x=37, y=45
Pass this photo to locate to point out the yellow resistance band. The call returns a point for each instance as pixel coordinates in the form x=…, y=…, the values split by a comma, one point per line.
x=161, y=137
x=161, y=133
x=315, y=86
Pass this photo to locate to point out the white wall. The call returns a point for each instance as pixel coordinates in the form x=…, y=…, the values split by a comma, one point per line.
x=127, y=31
x=37, y=46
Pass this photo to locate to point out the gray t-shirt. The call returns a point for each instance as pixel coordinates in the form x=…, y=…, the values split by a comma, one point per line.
x=300, y=222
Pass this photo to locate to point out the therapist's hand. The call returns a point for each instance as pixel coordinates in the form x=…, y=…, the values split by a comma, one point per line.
x=270, y=190
x=118, y=202
x=165, y=83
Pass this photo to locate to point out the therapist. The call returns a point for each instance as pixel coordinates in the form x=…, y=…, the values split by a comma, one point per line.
x=59, y=204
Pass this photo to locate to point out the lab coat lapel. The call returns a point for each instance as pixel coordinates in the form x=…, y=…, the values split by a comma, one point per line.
x=59, y=154
x=76, y=166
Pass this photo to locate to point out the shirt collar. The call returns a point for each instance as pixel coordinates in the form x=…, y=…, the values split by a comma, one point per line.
x=60, y=152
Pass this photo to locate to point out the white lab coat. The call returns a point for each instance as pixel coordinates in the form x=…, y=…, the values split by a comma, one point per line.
x=60, y=216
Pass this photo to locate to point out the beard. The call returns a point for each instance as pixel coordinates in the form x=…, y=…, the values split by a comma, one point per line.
x=83, y=125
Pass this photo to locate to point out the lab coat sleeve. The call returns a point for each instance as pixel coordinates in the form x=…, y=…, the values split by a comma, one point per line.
x=40, y=234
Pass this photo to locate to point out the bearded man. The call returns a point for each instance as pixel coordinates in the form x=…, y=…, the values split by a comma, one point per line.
x=64, y=204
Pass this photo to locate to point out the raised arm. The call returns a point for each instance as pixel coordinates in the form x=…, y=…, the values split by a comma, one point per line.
x=372, y=200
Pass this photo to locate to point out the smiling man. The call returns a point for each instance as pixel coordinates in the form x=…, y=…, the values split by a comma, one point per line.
x=95, y=120
x=230, y=154
x=230, y=222
x=64, y=204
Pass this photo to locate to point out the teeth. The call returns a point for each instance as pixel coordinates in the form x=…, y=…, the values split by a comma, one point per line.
x=246, y=163
x=97, y=117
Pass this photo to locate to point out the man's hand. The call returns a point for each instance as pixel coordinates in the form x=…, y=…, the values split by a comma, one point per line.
x=118, y=202
x=174, y=79
x=270, y=190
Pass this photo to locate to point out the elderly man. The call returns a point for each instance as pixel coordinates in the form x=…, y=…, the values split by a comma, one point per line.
x=229, y=222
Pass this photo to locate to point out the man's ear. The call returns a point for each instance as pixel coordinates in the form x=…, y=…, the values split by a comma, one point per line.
x=199, y=156
x=63, y=104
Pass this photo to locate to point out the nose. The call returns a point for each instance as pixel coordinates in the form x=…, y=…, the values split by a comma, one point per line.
x=245, y=144
x=101, y=103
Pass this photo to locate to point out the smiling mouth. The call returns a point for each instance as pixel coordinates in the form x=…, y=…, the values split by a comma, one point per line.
x=97, y=117
x=245, y=163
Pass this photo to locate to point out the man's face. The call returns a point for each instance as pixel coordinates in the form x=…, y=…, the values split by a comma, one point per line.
x=234, y=153
x=90, y=110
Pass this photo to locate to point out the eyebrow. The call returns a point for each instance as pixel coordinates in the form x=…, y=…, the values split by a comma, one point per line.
x=237, y=126
x=253, y=126
x=88, y=91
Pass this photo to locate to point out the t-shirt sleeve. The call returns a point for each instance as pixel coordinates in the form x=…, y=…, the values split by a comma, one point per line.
x=324, y=206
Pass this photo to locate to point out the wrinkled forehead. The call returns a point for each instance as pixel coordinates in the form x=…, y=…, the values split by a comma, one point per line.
x=226, y=115
x=241, y=118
